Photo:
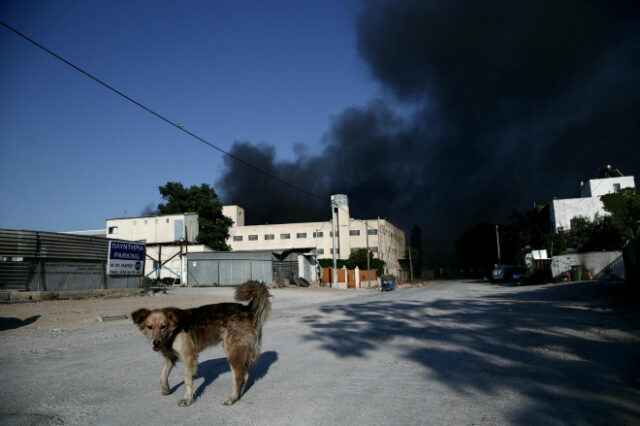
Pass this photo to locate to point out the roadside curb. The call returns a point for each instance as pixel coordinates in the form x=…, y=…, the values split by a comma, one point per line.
x=35, y=296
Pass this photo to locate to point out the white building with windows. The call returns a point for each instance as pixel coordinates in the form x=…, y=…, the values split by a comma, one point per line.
x=589, y=204
x=168, y=239
x=385, y=240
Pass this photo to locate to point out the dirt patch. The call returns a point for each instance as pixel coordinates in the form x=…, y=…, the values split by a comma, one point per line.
x=73, y=314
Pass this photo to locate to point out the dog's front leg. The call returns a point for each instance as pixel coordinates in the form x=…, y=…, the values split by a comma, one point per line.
x=189, y=370
x=164, y=379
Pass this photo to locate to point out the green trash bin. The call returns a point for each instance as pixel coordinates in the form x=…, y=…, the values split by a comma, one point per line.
x=576, y=272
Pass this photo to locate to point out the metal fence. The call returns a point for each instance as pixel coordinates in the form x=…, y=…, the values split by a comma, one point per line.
x=228, y=268
x=37, y=261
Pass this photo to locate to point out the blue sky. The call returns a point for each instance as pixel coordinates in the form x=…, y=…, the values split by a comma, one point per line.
x=73, y=153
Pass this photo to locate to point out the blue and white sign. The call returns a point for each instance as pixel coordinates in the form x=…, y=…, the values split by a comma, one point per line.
x=125, y=258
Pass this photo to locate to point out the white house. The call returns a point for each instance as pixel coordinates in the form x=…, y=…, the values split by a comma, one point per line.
x=589, y=204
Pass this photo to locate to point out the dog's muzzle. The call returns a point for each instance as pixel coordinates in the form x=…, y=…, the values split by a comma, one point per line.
x=156, y=345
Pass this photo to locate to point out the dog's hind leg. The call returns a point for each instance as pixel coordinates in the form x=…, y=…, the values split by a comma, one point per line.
x=164, y=379
x=190, y=364
x=240, y=368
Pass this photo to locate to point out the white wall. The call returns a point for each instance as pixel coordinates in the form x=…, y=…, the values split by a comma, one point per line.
x=562, y=211
x=598, y=187
x=606, y=265
x=153, y=229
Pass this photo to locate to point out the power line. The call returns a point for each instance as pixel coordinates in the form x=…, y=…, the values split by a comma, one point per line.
x=172, y=123
x=163, y=118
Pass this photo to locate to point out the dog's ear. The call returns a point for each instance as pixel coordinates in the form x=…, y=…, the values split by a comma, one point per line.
x=178, y=317
x=140, y=315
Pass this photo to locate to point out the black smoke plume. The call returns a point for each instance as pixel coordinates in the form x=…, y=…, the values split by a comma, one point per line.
x=514, y=102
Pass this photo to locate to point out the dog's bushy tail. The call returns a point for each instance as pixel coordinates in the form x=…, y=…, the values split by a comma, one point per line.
x=260, y=306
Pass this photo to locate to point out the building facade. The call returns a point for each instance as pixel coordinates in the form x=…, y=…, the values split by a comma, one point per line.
x=385, y=240
x=168, y=239
x=589, y=204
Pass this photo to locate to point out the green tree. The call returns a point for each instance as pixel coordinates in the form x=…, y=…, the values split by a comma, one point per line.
x=605, y=233
x=625, y=208
x=359, y=258
x=213, y=225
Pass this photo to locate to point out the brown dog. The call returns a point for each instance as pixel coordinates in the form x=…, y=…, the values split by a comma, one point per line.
x=180, y=334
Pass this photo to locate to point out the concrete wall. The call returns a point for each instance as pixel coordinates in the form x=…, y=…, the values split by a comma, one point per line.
x=605, y=265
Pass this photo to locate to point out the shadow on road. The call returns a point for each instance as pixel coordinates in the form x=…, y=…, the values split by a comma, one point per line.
x=13, y=323
x=570, y=351
x=211, y=369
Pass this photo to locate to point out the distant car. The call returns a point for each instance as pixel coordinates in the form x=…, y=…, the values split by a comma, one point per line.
x=506, y=273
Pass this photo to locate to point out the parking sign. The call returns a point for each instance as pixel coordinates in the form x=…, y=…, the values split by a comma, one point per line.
x=125, y=258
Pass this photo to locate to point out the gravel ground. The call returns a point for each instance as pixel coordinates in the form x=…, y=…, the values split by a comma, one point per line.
x=442, y=354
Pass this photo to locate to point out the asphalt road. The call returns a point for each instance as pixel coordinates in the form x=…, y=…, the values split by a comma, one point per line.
x=449, y=353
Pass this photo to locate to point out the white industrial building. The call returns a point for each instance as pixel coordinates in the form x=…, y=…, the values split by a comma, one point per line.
x=589, y=204
x=169, y=238
x=385, y=240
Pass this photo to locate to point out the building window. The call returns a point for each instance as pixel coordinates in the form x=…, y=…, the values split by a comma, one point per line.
x=353, y=250
x=113, y=230
x=285, y=236
x=269, y=236
x=337, y=234
x=354, y=233
x=616, y=187
x=145, y=221
x=337, y=251
x=237, y=238
x=301, y=235
x=318, y=234
x=135, y=223
x=372, y=232
x=167, y=220
x=253, y=237
x=373, y=249
x=319, y=251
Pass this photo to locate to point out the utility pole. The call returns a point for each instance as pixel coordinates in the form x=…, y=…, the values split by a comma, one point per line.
x=333, y=243
x=498, y=244
x=366, y=229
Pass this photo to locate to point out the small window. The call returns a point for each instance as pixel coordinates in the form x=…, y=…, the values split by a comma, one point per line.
x=167, y=220
x=113, y=230
x=145, y=221
x=285, y=236
x=373, y=249
x=616, y=187
x=269, y=236
x=301, y=235
x=353, y=250
x=237, y=238
x=337, y=251
x=318, y=234
x=354, y=233
x=320, y=251
x=135, y=223
x=337, y=234
x=253, y=238
x=372, y=232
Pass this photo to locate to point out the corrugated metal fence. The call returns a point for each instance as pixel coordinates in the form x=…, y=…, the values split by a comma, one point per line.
x=33, y=260
x=228, y=268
